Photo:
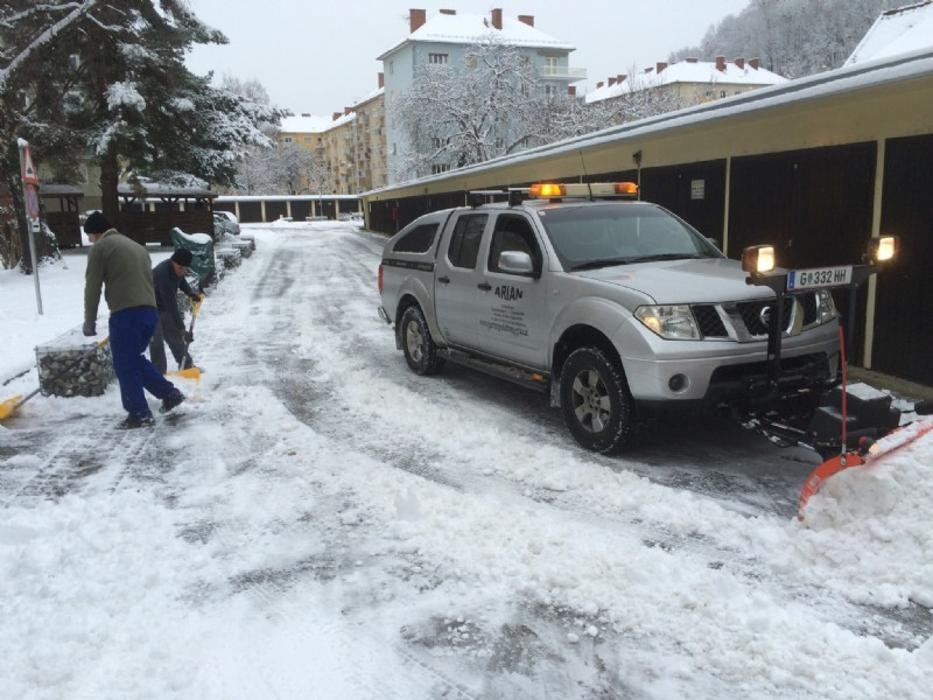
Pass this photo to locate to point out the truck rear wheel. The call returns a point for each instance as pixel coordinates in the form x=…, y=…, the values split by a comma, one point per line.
x=596, y=402
x=417, y=343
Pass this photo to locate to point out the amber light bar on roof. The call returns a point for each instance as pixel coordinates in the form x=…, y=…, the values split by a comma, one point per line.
x=554, y=190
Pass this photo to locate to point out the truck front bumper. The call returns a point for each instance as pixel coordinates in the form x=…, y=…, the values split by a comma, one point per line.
x=660, y=370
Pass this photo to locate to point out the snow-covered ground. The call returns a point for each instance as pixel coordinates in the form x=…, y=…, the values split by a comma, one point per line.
x=319, y=522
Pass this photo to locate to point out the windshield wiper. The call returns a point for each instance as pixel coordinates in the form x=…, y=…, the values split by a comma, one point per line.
x=666, y=256
x=605, y=262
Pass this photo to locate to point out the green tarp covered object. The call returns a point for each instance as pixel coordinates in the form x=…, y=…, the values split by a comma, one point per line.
x=201, y=246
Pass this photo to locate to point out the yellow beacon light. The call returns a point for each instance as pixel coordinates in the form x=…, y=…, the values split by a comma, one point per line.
x=629, y=188
x=544, y=190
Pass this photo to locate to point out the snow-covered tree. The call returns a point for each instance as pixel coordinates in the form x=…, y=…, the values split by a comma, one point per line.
x=792, y=37
x=110, y=84
x=455, y=115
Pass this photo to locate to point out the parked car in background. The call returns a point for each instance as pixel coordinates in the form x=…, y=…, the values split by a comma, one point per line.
x=231, y=219
x=224, y=227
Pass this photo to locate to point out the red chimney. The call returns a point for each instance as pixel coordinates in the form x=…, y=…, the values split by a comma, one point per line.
x=649, y=69
x=721, y=64
x=416, y=18
x=497, y=18
x=347, y=110
x=448, y=12
x=599, y=84
x=612, y=81
x=620, y=78
x=527, y=19
x=381, y=78
x=572, y=90
x=754, y=63
x=336, y=115
x=740, y=62
x=661, y=66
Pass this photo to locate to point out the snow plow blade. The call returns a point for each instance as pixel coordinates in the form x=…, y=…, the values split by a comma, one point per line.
x=871, y=453
x=8, y=407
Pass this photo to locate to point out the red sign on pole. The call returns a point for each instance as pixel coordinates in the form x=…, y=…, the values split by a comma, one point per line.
x=30, y=176
x=31, y=195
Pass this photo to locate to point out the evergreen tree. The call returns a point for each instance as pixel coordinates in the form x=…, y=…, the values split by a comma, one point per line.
x=111, y=85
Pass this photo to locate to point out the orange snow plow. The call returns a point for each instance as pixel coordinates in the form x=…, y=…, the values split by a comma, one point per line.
x=865, y=455
x=840, y=423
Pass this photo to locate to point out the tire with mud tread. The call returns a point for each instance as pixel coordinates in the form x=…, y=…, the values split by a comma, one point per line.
x=595, y=400
x=417, y=343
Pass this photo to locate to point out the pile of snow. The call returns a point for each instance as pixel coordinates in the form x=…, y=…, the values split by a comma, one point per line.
x=869, y=530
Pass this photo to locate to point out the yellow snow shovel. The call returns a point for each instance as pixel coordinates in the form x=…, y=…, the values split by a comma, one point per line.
x=190, y=372
x=10, y=406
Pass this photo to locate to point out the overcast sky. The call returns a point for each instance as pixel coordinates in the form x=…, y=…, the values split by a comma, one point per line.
x=320, y=55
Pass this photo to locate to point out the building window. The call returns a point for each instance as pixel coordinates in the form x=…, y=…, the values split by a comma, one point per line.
x=391, y=66
x=438, y=143
x=550, y=65
x=438, y=58
x=550, y=90
x=288, y=139
x=722, y=93
x=439, y=168
x=471, y=61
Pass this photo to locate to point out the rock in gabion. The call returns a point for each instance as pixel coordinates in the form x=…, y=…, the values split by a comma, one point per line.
x=73, y=365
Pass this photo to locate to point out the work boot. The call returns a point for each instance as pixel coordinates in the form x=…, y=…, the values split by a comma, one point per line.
x=171, y=401
x=133, y=421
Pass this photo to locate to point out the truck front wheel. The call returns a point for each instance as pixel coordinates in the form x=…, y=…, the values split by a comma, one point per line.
x=417, y=343
x=596, y=402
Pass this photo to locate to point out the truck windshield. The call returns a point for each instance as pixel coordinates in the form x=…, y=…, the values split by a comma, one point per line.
x=620, y=233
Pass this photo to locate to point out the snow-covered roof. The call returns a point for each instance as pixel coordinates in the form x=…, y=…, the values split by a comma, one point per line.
x=372, y=95
x=469, y=29
x=304, y=124
x=700, y=72
x=814, y=87
x=896, y=31
x=161, y=189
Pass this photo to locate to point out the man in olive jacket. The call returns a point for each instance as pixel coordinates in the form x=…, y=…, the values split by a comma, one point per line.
x=123, y=267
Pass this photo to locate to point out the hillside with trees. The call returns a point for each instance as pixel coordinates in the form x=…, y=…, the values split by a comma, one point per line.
x=792, y=37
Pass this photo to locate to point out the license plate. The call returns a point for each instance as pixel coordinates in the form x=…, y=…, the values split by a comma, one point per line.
x=819, y=277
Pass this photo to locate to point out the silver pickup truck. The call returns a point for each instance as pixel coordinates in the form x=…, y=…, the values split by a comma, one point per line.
x=613, y=306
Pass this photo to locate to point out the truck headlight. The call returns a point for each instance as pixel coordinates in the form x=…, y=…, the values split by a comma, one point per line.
x=670, y=322
x=825, y=306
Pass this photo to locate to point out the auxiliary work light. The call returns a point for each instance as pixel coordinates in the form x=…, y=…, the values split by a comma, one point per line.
x=757, y=259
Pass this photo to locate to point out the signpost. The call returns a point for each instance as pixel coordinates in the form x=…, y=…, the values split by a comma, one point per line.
x=30, y=180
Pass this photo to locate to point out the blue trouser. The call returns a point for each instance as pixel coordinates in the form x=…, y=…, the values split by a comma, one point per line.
x=130, y=331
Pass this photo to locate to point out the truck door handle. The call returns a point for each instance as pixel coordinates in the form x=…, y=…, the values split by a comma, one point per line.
x=444, y=280
x=485, y=286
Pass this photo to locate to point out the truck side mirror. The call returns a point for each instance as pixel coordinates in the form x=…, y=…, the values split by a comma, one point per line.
x=516, y=262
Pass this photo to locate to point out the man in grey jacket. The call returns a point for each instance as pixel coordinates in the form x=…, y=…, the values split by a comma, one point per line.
x=167, y=278
x=123, y=268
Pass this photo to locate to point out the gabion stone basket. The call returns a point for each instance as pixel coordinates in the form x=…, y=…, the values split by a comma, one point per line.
x=73, y=365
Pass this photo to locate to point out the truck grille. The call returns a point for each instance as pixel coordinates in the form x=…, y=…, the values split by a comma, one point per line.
x=743, y=320
x=752, y=316
x=711, y=326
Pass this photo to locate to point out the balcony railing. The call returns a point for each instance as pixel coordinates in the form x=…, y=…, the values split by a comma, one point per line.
x=563, y=73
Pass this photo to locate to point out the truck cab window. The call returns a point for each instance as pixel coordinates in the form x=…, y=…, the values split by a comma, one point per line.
x=465, y=240
x=513, y=232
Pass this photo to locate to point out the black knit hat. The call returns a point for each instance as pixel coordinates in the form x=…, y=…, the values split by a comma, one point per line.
x=96, y=223
x=182, y=257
